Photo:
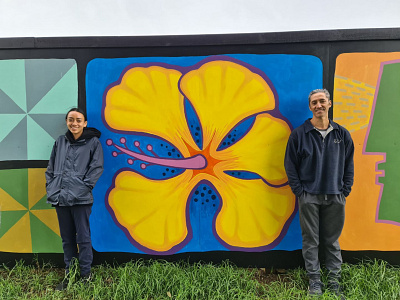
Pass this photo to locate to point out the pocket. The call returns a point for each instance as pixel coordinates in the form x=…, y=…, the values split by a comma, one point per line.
x=80, y=190
x=303, y=195
x=342, y=198
x=53, y=189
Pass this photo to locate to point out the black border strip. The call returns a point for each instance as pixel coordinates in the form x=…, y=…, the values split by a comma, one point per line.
x=202, y=40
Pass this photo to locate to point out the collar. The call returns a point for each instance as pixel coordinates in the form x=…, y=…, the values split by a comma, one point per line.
x=308, y=126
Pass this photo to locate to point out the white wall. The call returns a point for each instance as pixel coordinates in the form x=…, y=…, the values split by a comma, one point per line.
x=46, y=18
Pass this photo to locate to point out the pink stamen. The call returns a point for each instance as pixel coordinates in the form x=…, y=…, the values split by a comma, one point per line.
x=196, y=162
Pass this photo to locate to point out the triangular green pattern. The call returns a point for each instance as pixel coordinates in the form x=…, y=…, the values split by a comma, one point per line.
x=15, y=183
x=8, y=122
x=9, y=218
x=41, y=204
x=40, y=143
x=62, y=97
x=8, y=106
x=12, y=80
x=44, y=240
x=53, y=124
x=14, y=145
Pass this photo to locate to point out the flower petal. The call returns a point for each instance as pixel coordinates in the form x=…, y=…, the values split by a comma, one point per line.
x=253, y=214
x=223, y=93
x=148, y=100
x=151, y=212
x=261, y=150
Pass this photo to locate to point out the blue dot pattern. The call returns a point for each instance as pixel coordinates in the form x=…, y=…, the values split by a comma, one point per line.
x=236, y=133
x=243, y=174
x=205, y=195
x=194, y=124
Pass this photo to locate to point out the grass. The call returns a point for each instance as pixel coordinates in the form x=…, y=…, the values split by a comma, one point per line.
x=163, y=280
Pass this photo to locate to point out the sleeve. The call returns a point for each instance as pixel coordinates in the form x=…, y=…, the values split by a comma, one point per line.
x=50, y=167
x=291, y=166
x=95, y=168
x=348, y=177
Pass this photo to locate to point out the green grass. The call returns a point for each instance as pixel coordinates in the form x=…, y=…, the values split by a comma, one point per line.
x=162, y=280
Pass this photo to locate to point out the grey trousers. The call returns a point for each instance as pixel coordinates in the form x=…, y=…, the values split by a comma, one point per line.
x=321, y=225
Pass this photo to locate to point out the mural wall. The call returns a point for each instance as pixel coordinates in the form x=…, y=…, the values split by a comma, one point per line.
x=194, y=148
x=366, y=101
x=194, y=151
x=34, y=97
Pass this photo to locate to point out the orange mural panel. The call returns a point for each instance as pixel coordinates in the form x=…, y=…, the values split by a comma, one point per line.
x=356, y=86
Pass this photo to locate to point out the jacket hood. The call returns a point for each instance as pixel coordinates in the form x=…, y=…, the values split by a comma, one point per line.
x=88, y=133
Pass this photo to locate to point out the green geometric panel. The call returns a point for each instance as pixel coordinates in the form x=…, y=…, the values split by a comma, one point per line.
x=62, y=96
x=12, y=81
x=40, y=143
x=8, y=122
x=8, y=219
x=45, y=88
x=41, y=204
x=53, y=124
x=8, y=106
x=384, y=136
x=44, y=240
x=41, y=76
x=15, y=183
x=14, y=145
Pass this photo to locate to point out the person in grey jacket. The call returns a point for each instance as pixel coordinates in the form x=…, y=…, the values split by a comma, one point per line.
x=75, y=165
x=320, y=169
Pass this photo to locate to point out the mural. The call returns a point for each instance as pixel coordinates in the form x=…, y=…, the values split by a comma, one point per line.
x=28, y=223
x=365, y=99
x=194, y=151
x=34, y=96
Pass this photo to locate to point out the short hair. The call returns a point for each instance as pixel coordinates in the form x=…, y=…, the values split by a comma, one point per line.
x=79, y=110
x=325, y=91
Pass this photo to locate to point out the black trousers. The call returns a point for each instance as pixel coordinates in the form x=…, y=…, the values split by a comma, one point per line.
x=75, y=235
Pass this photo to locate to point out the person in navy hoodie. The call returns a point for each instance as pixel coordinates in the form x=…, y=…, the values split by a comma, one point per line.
x=320, y=169
x=75, y=165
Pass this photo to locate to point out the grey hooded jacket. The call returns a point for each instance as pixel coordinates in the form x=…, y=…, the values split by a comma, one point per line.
x=74, y=168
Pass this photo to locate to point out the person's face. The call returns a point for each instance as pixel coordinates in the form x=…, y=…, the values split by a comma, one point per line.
x=319, y=105
x=75, y=123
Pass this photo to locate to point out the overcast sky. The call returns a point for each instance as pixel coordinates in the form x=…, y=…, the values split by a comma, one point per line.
x=46, y=18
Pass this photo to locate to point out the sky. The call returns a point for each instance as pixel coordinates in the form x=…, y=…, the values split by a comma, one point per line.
x=60, y=18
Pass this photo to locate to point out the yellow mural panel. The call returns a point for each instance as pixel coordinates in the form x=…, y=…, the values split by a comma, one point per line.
x=37, y=185
x=28, y=223
x=7, y=203
x=18, y=238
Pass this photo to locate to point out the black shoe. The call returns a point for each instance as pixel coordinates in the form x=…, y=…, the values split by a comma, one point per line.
x=315, y=287
x=334, y=287
x=62, y=285
x=85, y=279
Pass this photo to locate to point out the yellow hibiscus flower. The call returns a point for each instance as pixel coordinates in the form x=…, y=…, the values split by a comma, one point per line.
x=223, y=93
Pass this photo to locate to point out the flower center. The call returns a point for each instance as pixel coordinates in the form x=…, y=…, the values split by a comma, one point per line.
x=210, y=161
